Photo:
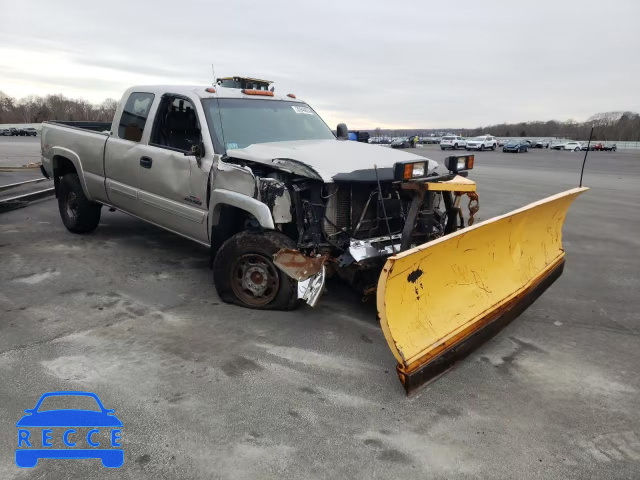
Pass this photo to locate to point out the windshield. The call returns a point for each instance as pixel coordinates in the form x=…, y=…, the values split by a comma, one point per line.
x=478, y=139
x=245, y=122
x=448, y=138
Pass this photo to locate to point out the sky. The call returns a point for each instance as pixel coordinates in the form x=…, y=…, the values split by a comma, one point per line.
x=368, y=63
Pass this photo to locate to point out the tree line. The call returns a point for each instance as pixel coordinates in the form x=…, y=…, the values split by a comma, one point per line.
x=612, y=126
x=36, y=109
x=608, y=126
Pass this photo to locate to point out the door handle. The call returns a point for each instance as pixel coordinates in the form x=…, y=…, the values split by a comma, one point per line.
x=145, y=162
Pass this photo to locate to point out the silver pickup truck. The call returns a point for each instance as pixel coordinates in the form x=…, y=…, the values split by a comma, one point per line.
x=259, y=178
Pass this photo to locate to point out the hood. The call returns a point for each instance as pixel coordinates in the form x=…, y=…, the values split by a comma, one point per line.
x=329, y=159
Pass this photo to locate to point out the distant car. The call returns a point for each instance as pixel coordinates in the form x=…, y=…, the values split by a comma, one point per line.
x=516, y=146
x=14, y=132
x=31, y=132
x=593, y=146
x=401, y=143
x=4, y=132
x=573, y=146
x=483, y=142
x=453, y=142
x=503, y=141
x=610, y=147
x=540, y=143
x=557, y=146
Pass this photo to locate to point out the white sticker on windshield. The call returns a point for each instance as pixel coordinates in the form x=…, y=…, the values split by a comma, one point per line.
x=231, y=145
x=302, y=109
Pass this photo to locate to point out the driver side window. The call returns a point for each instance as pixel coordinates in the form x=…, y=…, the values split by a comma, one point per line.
x=176, y=126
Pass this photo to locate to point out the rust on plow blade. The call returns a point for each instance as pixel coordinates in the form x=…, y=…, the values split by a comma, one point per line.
x=439, y=301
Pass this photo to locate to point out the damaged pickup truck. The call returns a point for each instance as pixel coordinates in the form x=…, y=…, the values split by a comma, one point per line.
x=284, y=203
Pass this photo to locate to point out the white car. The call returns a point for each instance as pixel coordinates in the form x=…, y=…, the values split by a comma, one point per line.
x=484, y=142
x=575, y=146
x=453, y=142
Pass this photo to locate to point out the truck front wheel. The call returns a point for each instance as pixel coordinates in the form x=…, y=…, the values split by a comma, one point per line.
x=244, y=273
x=79, y=214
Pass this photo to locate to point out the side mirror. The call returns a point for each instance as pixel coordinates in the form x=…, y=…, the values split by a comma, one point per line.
x=342, y=132
x=197, y=150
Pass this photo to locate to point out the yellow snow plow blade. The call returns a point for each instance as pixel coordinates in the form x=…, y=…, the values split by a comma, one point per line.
x=440, y=300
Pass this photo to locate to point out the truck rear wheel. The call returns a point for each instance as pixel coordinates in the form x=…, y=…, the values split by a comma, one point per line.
x=79, y=214
x=244, y=273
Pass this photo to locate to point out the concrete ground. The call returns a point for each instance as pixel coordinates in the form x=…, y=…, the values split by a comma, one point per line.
x=209, y=390
x=18, y=151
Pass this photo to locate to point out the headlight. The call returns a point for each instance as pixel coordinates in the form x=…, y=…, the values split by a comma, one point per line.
x=407, y=171
x=458, y=163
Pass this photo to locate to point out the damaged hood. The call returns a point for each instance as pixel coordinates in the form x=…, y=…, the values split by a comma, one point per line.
x=329, y=160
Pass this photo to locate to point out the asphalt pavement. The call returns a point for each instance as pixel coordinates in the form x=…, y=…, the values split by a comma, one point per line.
x=209, y=390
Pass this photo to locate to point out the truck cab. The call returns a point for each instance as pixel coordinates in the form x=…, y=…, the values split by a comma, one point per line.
x=260, y=179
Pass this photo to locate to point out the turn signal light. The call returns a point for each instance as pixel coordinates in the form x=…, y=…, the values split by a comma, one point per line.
x=210, y=90
x=407, y=171
x=291, y=95
x=251, y=91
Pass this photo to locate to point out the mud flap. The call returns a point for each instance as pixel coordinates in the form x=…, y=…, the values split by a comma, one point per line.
x=440, y=300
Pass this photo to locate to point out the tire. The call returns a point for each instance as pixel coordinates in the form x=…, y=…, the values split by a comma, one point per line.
x=504, y=150
x=442, y=148
x=493, y=148
x=256, y=249
x=78, y=213
x=577, y=149
x=455, y=147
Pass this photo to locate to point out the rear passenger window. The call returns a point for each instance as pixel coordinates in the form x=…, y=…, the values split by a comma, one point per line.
x=134, y=116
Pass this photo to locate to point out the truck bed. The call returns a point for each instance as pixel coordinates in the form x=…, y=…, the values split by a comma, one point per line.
x=85, y=125
x=82, y=143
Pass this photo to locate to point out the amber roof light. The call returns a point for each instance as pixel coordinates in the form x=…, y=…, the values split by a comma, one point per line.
x=250, y=91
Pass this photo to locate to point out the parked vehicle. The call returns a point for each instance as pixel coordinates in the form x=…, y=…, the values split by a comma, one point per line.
x=262, y=181
x=610, y=147
x=540, y=143
x=573, y=146
x=483, y=142
x=517, y=146
x=401, y=143
x=14, y=131
x=557, y=146
x=503, y=141
x=453, y=142
x=5, y=132
x=30, y=131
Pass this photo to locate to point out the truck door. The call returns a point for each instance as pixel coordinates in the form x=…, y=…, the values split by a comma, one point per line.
x=124, y=150
x=165, y=179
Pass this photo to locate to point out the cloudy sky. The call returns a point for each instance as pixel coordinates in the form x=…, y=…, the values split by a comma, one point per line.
x=368, y=63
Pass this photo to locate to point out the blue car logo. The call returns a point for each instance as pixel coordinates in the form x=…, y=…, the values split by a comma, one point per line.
x=71, y=428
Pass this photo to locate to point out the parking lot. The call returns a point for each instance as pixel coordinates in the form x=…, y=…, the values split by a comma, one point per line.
x=208, y=390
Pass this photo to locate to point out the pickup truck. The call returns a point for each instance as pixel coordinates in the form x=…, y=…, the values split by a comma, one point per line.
x=258, y=178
